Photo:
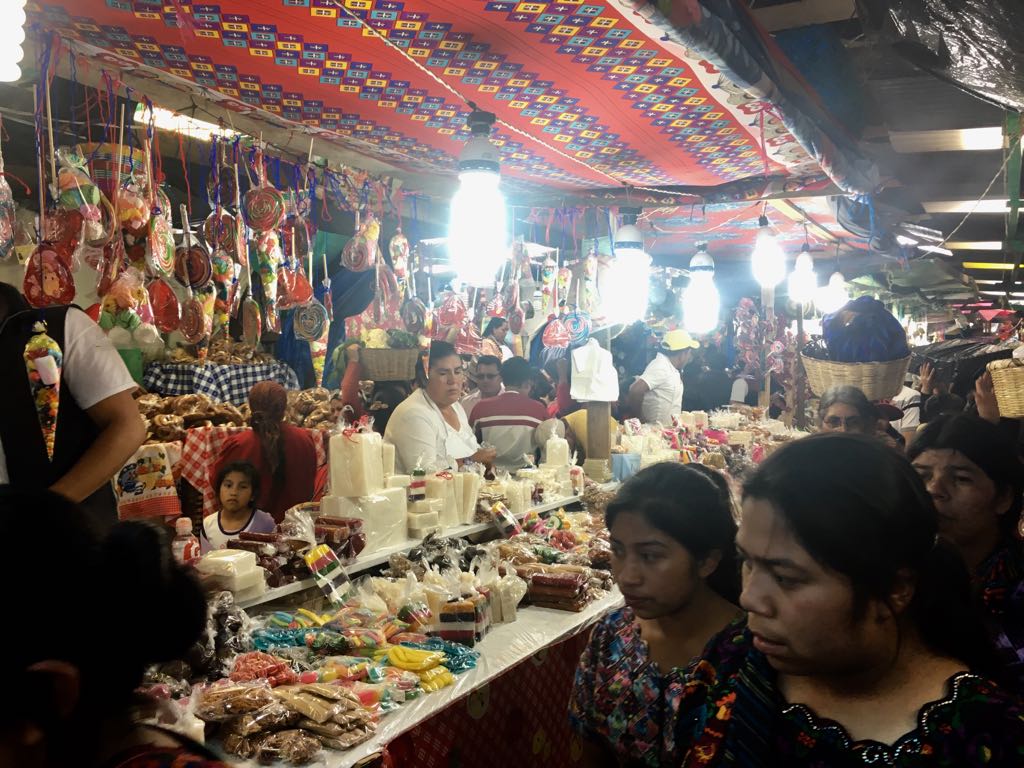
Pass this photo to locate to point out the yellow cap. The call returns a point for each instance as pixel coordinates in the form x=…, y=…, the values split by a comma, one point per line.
x=678, y=340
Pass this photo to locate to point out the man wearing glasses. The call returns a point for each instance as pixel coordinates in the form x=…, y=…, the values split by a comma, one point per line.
x=488, y=382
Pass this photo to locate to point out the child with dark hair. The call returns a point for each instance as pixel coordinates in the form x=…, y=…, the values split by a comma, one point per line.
x=69, y=695
x=237, y=489
x=673, y=557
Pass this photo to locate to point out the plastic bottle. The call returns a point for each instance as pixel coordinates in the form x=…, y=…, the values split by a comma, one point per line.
x=185, y=545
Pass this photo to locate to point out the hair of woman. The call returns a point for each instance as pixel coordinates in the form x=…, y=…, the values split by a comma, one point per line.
x=268, y=402
x=850, y=396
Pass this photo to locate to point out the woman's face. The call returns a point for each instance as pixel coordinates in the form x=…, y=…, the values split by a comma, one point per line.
x=500, y=332
x=235, y=492
x=969, y=503
x=445, y=380
x=800, y=612
x=656, y=574
x=841, y=417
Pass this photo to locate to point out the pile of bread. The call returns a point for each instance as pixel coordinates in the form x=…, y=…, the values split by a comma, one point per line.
x=167, y=418
x=223, y=352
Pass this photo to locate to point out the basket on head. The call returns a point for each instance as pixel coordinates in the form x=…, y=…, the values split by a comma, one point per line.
x=1008, y=382
x=878, y=381
x=389, y=364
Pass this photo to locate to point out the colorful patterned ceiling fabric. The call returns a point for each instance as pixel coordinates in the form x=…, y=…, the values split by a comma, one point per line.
x=588, y=94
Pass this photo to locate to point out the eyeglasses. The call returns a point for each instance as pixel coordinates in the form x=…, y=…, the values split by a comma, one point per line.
x=488, y=376
x=852, y=423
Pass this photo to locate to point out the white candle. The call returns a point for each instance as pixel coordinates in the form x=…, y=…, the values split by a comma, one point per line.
x=557, y=452
x=387, y=452
x=356, y=468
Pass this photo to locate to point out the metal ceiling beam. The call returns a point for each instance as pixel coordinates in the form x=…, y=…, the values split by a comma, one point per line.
x=803, y=13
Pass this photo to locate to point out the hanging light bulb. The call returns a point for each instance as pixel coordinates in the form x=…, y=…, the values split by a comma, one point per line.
x=769, y=261
x=701, y=303
x=833, y=296
x=477, y=232
x=624, y=299
x=12, y=35
x=803, y=283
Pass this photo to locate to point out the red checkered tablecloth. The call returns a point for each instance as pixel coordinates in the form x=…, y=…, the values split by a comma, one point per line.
x=203, y=446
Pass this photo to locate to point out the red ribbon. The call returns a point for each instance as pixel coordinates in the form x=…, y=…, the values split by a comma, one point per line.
x=444, y=475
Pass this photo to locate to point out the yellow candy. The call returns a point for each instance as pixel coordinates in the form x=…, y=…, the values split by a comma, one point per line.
x=435, y=679
x=414, y=660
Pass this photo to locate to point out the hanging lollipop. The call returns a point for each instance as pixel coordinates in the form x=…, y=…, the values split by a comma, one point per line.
x=193, y=313
x=166, y=309
x=219, y=231
x=293, y=287
x=414, y=315
x=578, y=326
x=224, y=282
x=251, y=322
x=160, y=249
x=48, y=281
x=268, y=252
x=295, y=238
x=496, y=306
x=452, y=311
x=310, y=321
x=192, y=264
x=516, y=320
x=360, y=253
x=6, y=214
x=328, y=300
x=263, y=208
x=468, y=342
x=65, y=229
x=556, y=336
x=398, y=249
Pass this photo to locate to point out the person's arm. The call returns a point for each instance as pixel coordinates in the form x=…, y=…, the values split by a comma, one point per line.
x=121, y=432
x=415, y=441
x=350, y=382
x=985, y=398
x=635, y=398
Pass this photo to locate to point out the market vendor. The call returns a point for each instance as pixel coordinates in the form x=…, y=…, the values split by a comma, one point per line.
x=429, y=428
x=94, y=426
x=284, y=456
x=657, y=395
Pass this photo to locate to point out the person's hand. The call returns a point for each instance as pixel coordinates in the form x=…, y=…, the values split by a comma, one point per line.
x=985, y=398
x=485, y=455
x=927, y=376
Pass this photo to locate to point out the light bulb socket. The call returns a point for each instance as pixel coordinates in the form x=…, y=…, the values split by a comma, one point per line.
x=762, y=220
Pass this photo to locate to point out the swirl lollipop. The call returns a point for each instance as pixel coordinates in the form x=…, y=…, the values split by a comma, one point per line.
x=295, y=238
x=398, y=248
x=193, y=321
x=263, y=208
x=160, y=248
x=452, y=311
x=192, y=266
x=468, y=342
x=310, y=321
x=556, y=336
x=578, y=325
x=414, y=315
x=219, y=231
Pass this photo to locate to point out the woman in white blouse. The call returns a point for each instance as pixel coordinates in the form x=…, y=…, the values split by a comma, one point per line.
x=429, y=429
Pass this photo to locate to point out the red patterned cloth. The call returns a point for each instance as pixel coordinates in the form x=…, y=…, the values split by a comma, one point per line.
x=519, y=720
x=204, y=446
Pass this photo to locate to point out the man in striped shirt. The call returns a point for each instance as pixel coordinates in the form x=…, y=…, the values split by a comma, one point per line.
x=509, y=421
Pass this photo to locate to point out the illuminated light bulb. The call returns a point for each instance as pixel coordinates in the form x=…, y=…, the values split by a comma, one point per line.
x=477, y=232
x=628, y=279
x=833, y=296
x=803, y=283
x=10, y=72
x=768, y=261
x=701, y=302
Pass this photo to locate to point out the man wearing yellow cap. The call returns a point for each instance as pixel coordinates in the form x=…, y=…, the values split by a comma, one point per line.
x=657, y=395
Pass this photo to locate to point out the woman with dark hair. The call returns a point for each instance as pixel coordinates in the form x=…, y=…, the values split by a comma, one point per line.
x=672, y=537
x=430, y=428
x=846, y=409
x=69, y=700
x=862, y=646
x=975, y=478
x=285, y=456
x=495, y=339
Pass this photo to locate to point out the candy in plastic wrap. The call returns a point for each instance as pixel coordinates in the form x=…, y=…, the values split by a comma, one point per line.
x=217, y=704
x=329, y=573
x=43, y=362
x=293, y=747
x=257, y=665
x=272, y=717
x=309, y=705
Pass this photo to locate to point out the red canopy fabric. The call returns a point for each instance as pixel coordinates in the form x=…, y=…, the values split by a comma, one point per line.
x=586, y=99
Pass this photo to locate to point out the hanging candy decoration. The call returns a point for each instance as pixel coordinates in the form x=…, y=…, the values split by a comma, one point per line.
x=292, y=287
x=251, y=322
x=414, y=315
x=496, y=306
x=468, y=342
x=310, y=321
x=160, y=249
x=219, y=231
x=192, y=264
x=328, y=300
x=166, y=309
x=268, y=251
x=111, y=266
x=48, y=281
x=398, y=248
x=295, y=238
x=360, y=253
x=43, y=363
x=263, y=208
x=224, y=282
x=556, y=336
x=318, y=353
x=192, y=321
x=65, y=229
x=76, y=191
x=206, y=298
x=387, y=302
x=516, y=320
x=452, y=311
x=133, y=212
x=578, y=326
x=6, y=212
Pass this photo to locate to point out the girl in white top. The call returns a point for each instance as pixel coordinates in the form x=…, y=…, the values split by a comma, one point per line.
x=236, y=489
x=429, y=429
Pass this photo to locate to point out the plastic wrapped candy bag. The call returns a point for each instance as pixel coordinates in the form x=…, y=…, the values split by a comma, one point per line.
x=76, y=191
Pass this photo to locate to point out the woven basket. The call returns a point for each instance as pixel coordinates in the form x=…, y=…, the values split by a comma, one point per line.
x=102, y=159
x=879, y=381
x=389, y=364
x=1009, y=387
